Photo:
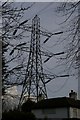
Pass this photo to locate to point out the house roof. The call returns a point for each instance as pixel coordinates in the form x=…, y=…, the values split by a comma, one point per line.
x=57, y=103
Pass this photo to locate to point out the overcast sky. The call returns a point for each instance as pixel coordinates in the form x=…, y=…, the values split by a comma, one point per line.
x=50, y=21
x=43, y=0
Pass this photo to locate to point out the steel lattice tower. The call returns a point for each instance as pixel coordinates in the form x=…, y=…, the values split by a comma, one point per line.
x=34, y=83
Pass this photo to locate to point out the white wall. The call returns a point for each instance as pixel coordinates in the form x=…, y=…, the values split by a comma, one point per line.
x=78, y=113
x=74, y=113
x=51, y=113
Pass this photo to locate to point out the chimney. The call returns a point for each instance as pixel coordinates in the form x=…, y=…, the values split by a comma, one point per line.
x=73, y=95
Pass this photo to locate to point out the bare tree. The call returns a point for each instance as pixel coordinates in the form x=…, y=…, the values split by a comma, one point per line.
x=16, y=40
x=71, y=30
x=14, y=30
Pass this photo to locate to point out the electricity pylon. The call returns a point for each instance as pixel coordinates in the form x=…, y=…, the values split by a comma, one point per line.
x=34, y=83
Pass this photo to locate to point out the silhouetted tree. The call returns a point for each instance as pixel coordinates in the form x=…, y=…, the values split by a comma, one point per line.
x=17, y=115
x=70, y=11
x=13, y=31
x=27, y=106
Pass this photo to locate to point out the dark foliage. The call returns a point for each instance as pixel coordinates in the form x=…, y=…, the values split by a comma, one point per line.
x=27, y=106
x=18, y=115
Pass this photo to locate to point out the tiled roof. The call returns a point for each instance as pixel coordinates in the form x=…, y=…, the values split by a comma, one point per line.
x=57, y=103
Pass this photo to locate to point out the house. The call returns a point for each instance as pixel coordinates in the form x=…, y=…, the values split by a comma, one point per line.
x=59, y=108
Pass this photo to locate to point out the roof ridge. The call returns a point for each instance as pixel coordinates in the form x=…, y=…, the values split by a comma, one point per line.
x=58, y=102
